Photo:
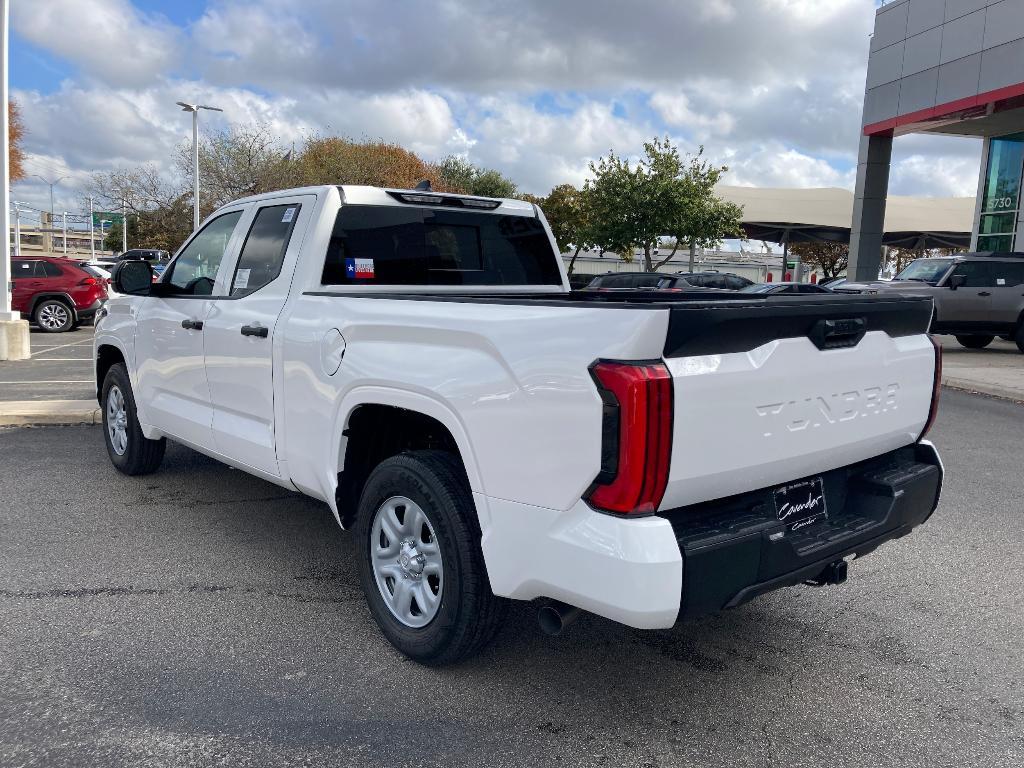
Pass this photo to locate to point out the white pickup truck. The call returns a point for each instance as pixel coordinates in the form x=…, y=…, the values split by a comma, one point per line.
x=417, y=361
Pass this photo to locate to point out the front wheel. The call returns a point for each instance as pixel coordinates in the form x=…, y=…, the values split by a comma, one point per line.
x=1019, y=337
x=130, y=451
x=420, y=564
x=975, y=342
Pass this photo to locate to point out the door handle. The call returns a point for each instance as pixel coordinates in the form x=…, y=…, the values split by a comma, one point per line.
x=984, y=293
x=255, y=330
x=192, y=325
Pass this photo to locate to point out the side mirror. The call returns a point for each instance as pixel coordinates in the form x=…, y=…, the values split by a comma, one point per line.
x=957, y=281
x=134, y=278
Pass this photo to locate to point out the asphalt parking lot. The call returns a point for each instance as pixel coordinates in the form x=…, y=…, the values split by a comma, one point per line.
x=199, y=616
x=60, y=368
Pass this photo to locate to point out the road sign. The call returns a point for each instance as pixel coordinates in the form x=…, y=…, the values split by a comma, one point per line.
x=98, y=216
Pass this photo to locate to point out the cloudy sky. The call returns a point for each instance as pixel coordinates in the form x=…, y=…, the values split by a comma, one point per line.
x=535, y=88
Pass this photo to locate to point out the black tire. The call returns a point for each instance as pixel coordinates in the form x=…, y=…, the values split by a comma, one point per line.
x=975, y=342
x=1019, y=337
x=469, y=615
x=53, y=316
x=140, y=456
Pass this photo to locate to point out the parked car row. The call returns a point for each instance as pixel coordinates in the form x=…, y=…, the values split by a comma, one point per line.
x=59, y=294
x=679, y=281
x=688, y=281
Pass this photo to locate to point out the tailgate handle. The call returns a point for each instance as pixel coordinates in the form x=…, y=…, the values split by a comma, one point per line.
x=838, y=334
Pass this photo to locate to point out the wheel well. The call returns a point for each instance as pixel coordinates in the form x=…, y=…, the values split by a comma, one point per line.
x=61, y=297
x=377, y=432
x=107, y=356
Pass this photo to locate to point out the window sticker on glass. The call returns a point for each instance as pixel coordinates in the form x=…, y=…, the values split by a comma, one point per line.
x=359, y=268
x=1000, y=281
x=242, y=278
x=288, y=214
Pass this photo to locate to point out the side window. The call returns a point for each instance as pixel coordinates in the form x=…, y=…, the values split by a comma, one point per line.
x=979, y=274
x=50, y=270
x=194, y=271
x=647, y=281
x=1008, y=274
x=263, y=251
x=717, y=281
x=735, y=282
x=23, y=270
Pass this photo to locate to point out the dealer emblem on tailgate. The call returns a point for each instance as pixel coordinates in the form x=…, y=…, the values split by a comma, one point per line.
x=824, y=410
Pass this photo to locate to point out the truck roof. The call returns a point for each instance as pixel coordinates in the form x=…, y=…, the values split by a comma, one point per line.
x=358, y=194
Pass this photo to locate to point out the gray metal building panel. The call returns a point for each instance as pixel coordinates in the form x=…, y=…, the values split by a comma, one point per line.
x=958, y=8
x=1002, y=66
x=918, y=91
x=925, y=14
x=885, y=66
x=921, y=51
x=958, y=78
x=1004, y=22
x=963, y=36
x=890, y=26
x=882, y=103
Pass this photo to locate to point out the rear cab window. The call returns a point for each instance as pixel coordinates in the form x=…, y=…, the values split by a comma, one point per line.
x=415, y=246
x=263, y=252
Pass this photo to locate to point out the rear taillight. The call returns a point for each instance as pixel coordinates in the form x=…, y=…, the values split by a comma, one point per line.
x=933, y=409
x=89, y=281
x=636, y=437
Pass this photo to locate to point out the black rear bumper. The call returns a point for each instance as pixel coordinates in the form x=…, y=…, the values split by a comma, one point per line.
x=735, y=549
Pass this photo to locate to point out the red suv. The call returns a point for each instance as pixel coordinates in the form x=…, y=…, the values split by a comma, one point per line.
x=56, y=294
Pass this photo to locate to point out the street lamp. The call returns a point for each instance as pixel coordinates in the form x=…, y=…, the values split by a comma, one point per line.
x=194, y=109
x=51, y=185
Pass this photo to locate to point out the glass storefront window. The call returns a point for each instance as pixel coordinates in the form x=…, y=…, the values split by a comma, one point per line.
x=995, y=243
x=998, y=223
x=1002, y=180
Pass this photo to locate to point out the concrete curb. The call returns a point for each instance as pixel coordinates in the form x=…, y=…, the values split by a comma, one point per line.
x=27, y=413
x=992, y=390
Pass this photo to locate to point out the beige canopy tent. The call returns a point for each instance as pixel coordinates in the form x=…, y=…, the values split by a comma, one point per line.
x=825, y=214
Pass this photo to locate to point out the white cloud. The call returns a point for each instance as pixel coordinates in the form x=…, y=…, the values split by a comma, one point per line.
x=534, y=89
x=108, y=39
x=772, y=165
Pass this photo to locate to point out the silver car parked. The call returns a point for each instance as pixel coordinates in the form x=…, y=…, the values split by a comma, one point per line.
x=978, y=296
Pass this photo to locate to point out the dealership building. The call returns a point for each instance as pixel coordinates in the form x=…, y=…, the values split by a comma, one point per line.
x=951, y=67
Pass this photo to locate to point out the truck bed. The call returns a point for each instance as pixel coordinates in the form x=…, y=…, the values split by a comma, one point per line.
x=701, y=323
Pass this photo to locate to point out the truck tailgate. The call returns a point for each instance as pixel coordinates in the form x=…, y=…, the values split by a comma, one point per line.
x=792, y=387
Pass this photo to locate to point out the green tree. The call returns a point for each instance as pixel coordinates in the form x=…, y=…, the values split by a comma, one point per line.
x=662, y=195
x=703, y=219
x=567, y=211
x=460, y=175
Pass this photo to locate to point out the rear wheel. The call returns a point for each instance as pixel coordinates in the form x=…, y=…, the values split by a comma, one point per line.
x=1019, y=337
x=975, y=342
x=130, y=451
x=53, y=316
x=420, y=563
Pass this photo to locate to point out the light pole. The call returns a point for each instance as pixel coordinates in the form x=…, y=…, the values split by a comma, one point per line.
x=194, y=109
x=14, y=338
x=92, y=237
x=51, y=185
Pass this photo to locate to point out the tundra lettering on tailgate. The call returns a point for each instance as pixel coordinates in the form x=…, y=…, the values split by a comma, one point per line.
x=822, y=410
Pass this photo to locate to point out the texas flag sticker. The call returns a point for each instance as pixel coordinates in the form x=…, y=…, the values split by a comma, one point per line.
x=360, y=269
